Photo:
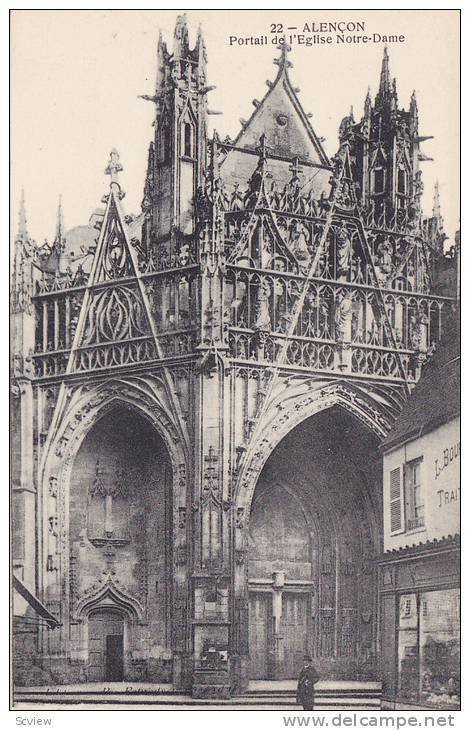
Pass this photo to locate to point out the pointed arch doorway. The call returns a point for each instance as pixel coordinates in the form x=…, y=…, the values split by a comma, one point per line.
x=121, y=549
x=314, y=532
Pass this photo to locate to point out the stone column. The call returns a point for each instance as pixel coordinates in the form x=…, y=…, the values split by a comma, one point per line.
x=212, y=506
x=278, y=648
x=24, y=492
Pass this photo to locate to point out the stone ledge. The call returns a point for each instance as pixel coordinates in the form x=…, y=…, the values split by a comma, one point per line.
x=211, y=691
x=209, y=684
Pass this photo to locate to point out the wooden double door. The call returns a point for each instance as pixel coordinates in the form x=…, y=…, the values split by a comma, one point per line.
x=106, y=647
x=278, y=655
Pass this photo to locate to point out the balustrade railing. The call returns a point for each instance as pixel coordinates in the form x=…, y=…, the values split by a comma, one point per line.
x=136, y=351
x=320, y=355
x=51, y=283
x=333, y=310
x=50, y=364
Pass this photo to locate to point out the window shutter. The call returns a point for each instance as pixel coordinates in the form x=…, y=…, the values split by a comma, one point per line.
x=396, y=501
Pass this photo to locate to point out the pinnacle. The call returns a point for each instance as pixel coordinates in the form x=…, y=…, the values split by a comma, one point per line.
x=384, y=87
x=436, y=208
x=59, y=231
x=283, y=62
x=200, y=37
x=22, y=220
x=181, y=36
x=214, y=159
x=161, y=53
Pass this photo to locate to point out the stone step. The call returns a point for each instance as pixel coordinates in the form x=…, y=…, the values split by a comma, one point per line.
x=319, y=692
x=262, y=694
x=176, y=702
x=98, y=688
x=267, y=702
x=339, y=685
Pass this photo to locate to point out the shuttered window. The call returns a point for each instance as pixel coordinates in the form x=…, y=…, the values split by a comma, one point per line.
x=396, y=501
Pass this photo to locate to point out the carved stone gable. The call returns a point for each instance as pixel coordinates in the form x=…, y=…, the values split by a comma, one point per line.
x=115, y=261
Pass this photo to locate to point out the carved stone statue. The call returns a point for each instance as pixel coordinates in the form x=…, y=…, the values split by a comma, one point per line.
x=300, y=243
x=343, y=251
x=418, y=331
x=384, y=255
x=262, y=314
x=343, y=318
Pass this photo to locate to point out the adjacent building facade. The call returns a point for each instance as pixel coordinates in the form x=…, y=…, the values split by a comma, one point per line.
x=420, y=570
x=199, y=394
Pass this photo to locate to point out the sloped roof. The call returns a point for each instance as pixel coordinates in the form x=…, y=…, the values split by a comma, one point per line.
x=281, y=118
x=239, y=165
x=79, y=244
x=450, y=542
x=436, y=398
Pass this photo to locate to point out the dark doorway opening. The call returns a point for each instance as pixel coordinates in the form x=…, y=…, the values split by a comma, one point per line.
x=114, y=665
x=106, y=646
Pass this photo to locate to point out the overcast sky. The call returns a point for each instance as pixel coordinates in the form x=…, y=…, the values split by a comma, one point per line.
x=76, y=76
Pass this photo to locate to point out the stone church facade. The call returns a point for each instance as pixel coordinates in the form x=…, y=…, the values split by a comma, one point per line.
x=199, y=393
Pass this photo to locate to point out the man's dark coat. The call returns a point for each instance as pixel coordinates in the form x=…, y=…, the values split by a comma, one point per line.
x=305, y=686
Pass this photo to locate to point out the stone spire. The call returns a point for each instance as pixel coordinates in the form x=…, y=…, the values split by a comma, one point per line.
x=414, y=113
x=22, y=220
x=181, y=37
x=367, y=104
x=200, y=50
x=59, y=229
x=214, y=166
x=384, y=86
x=162, y=55
x=385, y=73
x=434, y=225
x=147, y=199
x=436, y=208
x=200, y=46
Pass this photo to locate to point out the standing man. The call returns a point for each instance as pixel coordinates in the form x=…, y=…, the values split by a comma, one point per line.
x=305, y=686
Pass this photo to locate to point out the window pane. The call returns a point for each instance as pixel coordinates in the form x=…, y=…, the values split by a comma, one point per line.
x=414, y=496
x=408, y=612
x=408, y=648
x=440, y=647
x=379, y=181
x=188, y=139
x=401, y=181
